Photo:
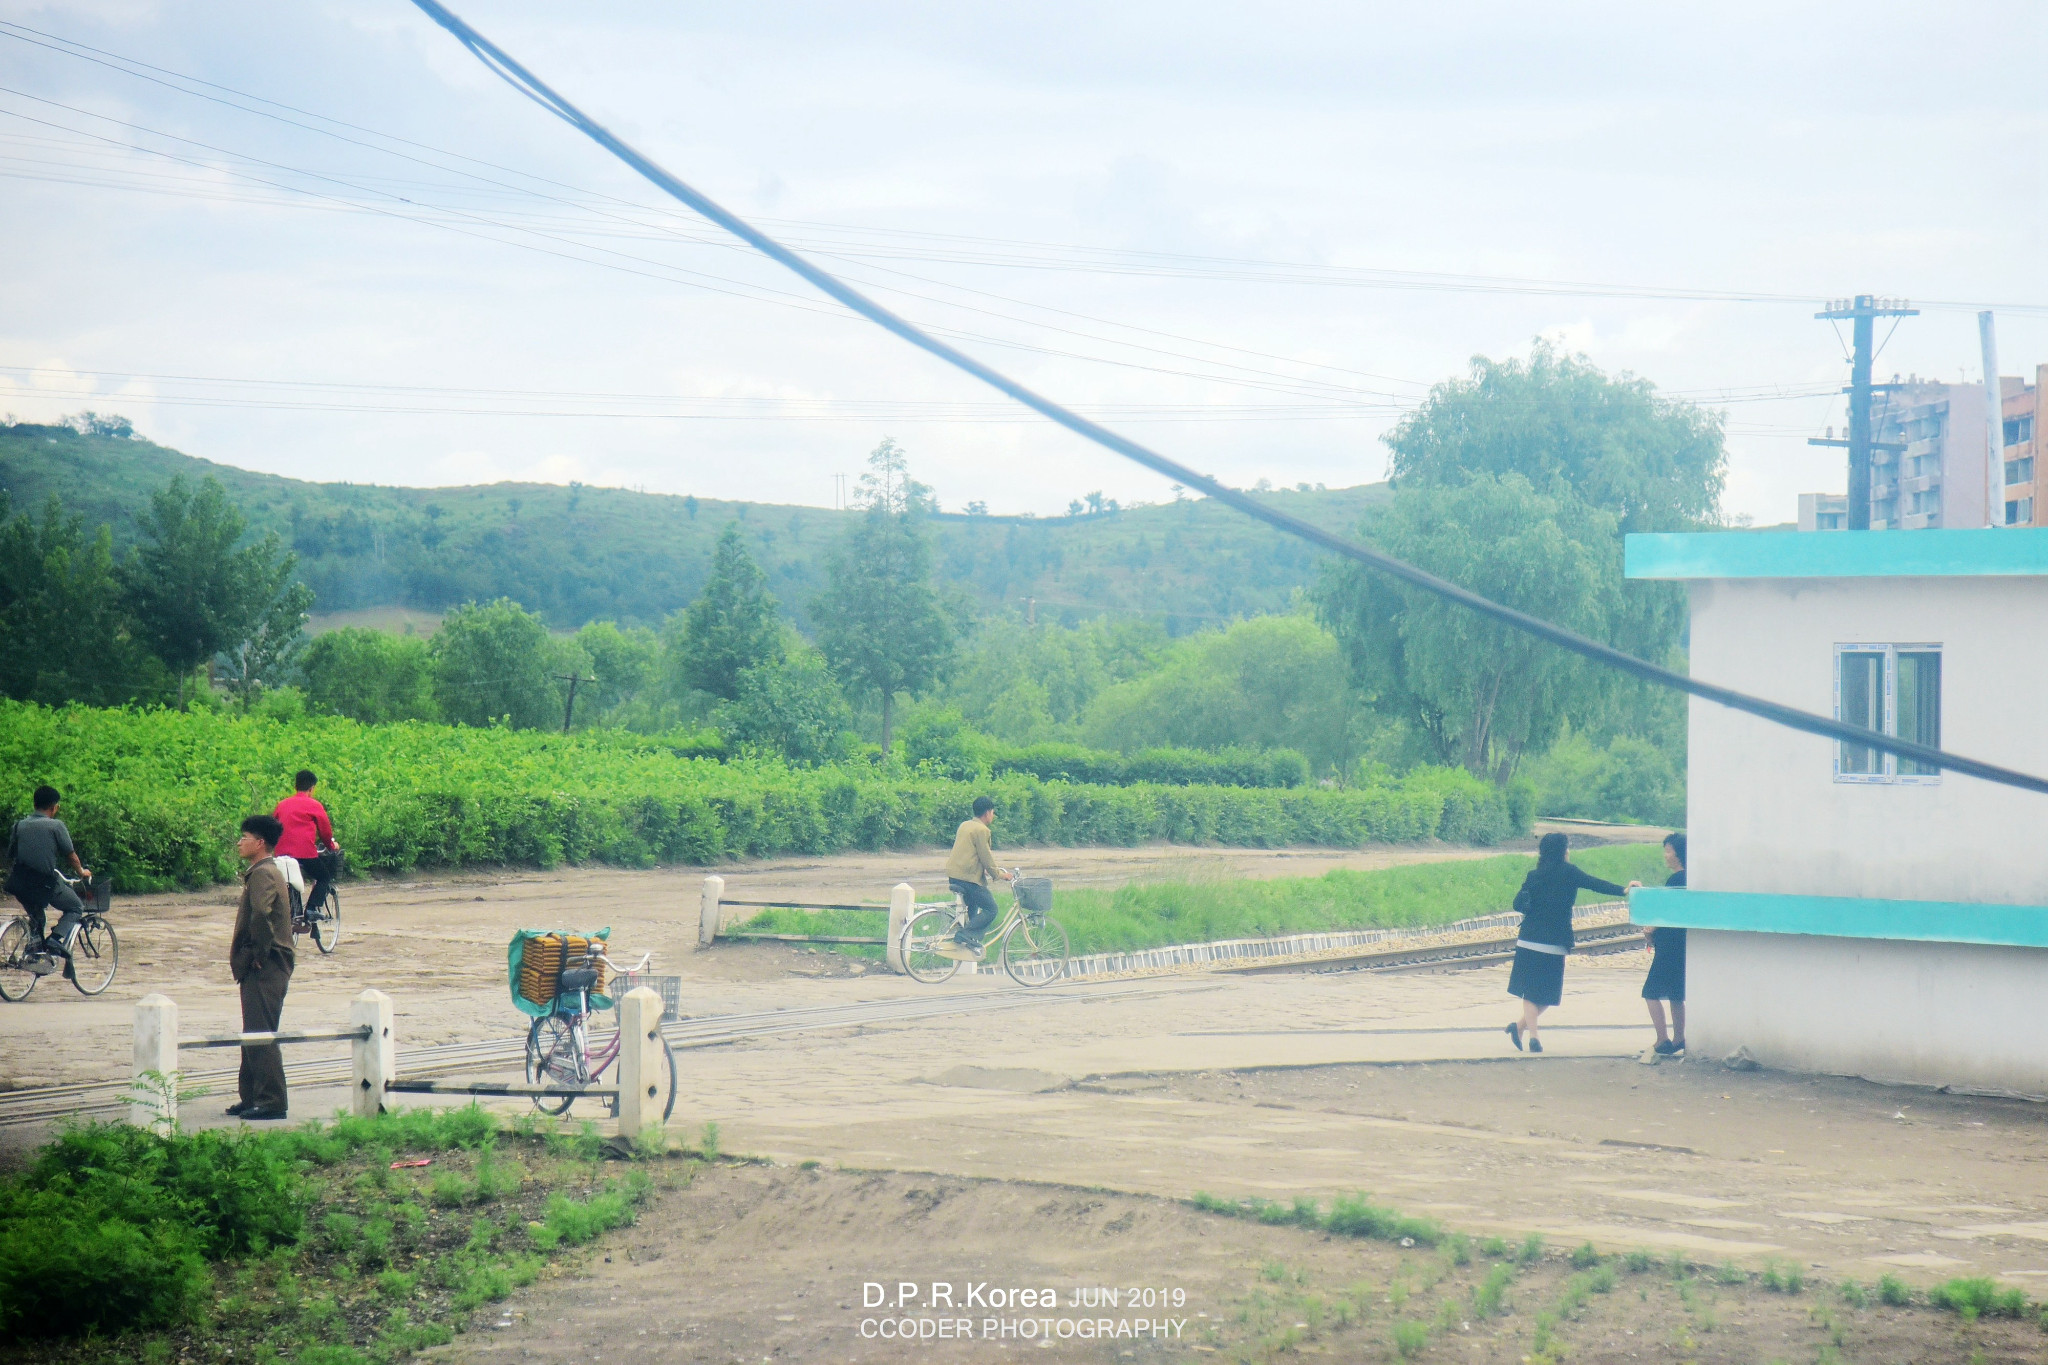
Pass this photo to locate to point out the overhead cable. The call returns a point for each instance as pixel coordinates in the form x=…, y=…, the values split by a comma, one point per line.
x=540, y=93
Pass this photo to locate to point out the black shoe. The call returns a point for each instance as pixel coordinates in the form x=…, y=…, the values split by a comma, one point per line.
x=261, y=1115
x=1665, y=1047
x=1514, y=1032
x=1535, y=1045
x=238, y=1108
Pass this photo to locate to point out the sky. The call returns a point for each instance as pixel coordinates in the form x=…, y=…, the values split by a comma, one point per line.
x=321, y=240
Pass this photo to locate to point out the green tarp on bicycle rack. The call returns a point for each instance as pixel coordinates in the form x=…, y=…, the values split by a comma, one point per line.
x=517, y=951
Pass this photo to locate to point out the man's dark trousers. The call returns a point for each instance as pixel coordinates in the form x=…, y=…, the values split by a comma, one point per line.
x=262, y=1079
x=981, y=908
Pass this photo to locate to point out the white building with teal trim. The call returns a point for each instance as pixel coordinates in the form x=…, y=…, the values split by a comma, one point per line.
x=1848, y=913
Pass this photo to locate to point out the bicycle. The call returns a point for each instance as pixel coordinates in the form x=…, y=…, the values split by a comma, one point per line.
x=558, y=1048
x=1030, y=942
x=319, y=915
x=92, y=951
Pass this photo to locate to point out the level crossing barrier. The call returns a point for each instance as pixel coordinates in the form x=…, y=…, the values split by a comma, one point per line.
x=373, y=1067
x=711, y=916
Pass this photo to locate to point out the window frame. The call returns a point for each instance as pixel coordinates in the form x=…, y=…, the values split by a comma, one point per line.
x=1889, y=774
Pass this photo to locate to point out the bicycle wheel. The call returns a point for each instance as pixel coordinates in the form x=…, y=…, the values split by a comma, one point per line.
x=923, y=935
x=1035, y=952
x=16, y=980
x=553, y=1058
x=95, y=956
x=327, y=922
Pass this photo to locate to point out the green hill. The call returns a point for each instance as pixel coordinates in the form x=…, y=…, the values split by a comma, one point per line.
x=583, y=553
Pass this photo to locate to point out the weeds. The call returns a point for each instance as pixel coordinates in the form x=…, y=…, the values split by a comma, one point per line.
x=1494, y=1246
x=1489, y=1300
x=1639, y=1261
x=1783, y=1277
x=1892, y=1291
x=1971, y=1299
x=1855, y=1295
x=1585, y=1256
x=1354, y=1216
x=1410, y=1338
x=707, y=1145
x=1731, y=1273
x=1532, y=1250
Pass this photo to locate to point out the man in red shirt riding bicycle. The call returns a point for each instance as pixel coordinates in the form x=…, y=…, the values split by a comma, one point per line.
x=306, y=828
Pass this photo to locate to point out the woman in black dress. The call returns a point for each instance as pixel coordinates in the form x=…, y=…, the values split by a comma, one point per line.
x=1666, y=981
x=1545, y=900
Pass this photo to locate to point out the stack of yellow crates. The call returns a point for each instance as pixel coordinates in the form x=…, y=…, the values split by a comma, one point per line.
x=542, y=960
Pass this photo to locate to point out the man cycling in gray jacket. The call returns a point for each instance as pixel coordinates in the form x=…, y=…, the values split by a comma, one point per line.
x=33, y=848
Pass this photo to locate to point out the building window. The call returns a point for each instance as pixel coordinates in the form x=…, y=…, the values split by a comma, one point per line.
x=2020, y=470
x=2020, y=512
x=2019, y=430
x=1894, y=690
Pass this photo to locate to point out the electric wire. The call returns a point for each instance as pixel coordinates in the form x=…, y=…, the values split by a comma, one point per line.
x=524, y=81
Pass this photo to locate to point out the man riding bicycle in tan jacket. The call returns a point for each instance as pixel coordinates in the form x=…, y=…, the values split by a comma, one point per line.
x=968, y=870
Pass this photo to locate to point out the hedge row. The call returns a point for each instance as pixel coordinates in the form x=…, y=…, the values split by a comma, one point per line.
x=1172, y=767
x=154, y=797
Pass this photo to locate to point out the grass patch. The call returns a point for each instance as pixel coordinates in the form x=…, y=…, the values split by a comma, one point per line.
x=1975, y=1298
x=1352, y=1216
x=297, y=1244
x=1200, y=910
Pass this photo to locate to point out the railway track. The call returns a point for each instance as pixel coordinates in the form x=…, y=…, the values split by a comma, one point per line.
x=46, y=1104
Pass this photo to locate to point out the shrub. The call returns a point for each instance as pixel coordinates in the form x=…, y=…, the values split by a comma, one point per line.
x=1978, y=1297
x=413, y=795
x=1410, y=1338
x=124, y=1220
x=1357, y=1217
x=1892, y=1291
x=1490, y=1298
x=1585, y=1256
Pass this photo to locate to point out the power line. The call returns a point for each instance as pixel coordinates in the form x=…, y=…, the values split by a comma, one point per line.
x=524, y=81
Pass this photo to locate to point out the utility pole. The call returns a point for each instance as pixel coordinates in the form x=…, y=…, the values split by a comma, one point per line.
x=1862, y=311
x=569, y=708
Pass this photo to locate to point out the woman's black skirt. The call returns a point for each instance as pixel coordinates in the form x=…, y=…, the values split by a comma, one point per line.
x=1537, y=977
x=1666, y=980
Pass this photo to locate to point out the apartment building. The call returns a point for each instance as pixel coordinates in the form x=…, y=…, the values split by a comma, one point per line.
x=1935, y=476
x=2021, y=411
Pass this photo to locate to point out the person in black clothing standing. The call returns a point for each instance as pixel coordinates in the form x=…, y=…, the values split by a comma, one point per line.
x=1545, y=900
x=1666, y=981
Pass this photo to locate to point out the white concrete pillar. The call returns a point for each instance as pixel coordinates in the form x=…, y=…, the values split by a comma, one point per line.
x=156, y=1049
x=707, y=915
x=642, y=1070
x=902, y=905
x=375, y=1058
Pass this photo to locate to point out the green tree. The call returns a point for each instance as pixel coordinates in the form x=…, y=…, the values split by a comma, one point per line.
x=624, y=662
x=1273, y=682
x=731, y=627
x=493, y=662
x=882, y=628
x=370, y=676
x=792, y=707
x=270, y=652
x=1655, y=463
x=191, y=592
x=63, y=633
x=1479, y=693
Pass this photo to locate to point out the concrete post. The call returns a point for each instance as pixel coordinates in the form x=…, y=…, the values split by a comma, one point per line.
x=707, y=916
x=156, y=1049
x=902, y=905
x=642, y=1069
x=375, y=1058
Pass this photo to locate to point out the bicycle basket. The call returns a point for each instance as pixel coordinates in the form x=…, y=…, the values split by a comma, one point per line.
x=99, y=894
x=669, y=988
x=1035, y=895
